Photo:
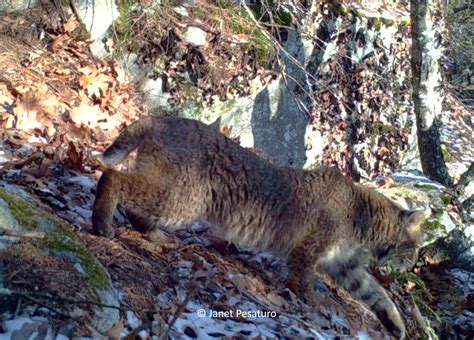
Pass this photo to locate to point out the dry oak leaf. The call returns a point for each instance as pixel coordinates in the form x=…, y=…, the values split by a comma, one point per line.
x=110, y=122
x=59, y=41
x=75, y=157
x=71, y=24
x=26, y=111
x=409, y=286
x=85, y=114
x=94, y=84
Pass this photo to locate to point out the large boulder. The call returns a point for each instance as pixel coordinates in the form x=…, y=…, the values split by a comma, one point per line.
x=60, y=244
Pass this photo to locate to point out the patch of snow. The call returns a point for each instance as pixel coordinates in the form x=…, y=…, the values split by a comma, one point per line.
x=3, y=157
x=86, y=213
x=227, y=327
x=469, y=231
x=144, y=334
x=132, y=319
x=78, y=267
x=34, y=139
x=25, y=327
x=82, y=180
x=181, y=11
x=232, y=300
x=319, y=335
x=463, y=278
x=414, y=176
x=363, y=335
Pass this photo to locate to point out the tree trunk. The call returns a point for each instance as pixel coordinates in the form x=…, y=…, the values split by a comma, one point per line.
x=464, y=191
x=427, y=87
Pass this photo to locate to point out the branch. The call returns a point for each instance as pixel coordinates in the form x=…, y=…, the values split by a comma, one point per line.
x=26, y=234
x=183, y=304
x=30, y=295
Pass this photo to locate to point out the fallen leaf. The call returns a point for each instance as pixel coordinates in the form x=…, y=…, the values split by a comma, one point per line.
x=71, y=24
x=85, y=114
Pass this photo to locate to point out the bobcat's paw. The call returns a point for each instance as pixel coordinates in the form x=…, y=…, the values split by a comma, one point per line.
x=161, y=238
x=107, y=232
x=391, y=319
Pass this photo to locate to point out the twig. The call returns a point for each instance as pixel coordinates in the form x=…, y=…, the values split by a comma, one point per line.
x=276, y=42
x=26, y=234
x=29, y=295
x=183, y=304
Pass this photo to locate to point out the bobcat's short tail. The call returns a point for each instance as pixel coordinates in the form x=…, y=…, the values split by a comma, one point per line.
x=126, y=142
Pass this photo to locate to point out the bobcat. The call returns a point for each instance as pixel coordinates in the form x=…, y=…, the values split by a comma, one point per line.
x=318, y=220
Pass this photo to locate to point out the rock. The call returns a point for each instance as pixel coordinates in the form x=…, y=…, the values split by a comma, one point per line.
x=135, y=72
x=152, y=87
x=195, y=35
x=60, y=240
x=153, y=90
x=16, y=5
x=181, y=11
x=456, y=247
x=188, y=3
x=414, y=191
x=273, y=120
x=8, y=221
x=97, y=17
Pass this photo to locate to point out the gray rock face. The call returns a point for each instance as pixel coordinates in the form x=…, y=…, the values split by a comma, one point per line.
x=97, y=17
x=274, y=121
x=279, y=118
x=16, y=5
x=279, y=121
x=8, y=221
x=455, y=247
x=106, y=318
x=414, y=191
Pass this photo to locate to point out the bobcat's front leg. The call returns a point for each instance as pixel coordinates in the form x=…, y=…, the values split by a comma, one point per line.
x=347, y=270
x=106, y=200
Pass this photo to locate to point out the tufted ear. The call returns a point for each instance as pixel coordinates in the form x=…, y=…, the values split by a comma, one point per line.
x=411, y=220
x=216, y=124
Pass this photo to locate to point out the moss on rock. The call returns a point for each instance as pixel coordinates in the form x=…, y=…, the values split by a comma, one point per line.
x=60, y=238
x=21, y=210
x=63, y=239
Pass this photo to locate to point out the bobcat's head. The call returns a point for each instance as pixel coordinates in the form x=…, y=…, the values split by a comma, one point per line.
x=402, y=253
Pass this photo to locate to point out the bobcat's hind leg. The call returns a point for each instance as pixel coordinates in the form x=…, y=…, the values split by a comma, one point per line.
x=138, y=222
x=106, y=200
x=151, y=228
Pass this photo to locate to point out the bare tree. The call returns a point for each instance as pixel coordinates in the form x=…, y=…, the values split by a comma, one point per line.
x=427, y=87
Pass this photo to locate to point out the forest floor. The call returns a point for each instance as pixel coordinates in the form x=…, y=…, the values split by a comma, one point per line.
x=60, y=108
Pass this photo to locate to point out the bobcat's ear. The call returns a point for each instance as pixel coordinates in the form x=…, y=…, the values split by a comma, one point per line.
x=411, y=220
x=216, y=124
